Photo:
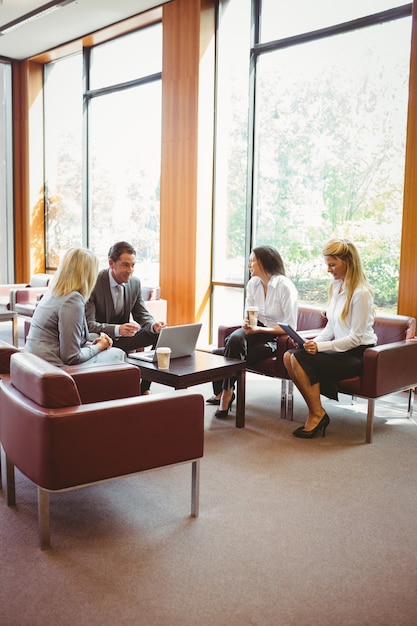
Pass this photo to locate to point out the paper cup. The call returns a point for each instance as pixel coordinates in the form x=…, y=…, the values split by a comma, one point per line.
x=163, y=355
x=252, y=314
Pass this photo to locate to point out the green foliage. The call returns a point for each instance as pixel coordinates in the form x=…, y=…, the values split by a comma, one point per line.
x=330, y=137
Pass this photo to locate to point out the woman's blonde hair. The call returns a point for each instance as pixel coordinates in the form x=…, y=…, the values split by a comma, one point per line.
x=355, y=276
x=77, y=271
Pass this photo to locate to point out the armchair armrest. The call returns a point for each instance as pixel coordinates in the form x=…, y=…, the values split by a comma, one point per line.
x=389, y=368
x=5, y=292
x=6, y=351
x=28, y=295
x=222, y=333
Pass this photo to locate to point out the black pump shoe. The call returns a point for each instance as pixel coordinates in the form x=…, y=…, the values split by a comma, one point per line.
x=213, y=400
x=309, y=434
x=222, y=414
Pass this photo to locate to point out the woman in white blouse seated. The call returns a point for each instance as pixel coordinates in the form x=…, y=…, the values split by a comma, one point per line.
x=337, y=352
x=277, y=300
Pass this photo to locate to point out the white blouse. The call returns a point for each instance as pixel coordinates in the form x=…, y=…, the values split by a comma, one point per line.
x=280, y=304
x=356, y=330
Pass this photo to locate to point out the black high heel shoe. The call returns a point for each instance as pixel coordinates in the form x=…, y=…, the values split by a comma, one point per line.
x=213, y=400
x=221, y=414
x=309, y=434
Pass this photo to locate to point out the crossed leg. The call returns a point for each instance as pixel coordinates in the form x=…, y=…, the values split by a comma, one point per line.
x=310, y=393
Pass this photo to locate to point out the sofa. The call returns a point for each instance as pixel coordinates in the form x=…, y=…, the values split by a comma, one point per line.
x=389, y=367
x=66, y=430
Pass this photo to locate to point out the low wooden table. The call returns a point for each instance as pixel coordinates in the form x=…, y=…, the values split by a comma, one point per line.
x=11, y=316
x=201, y=367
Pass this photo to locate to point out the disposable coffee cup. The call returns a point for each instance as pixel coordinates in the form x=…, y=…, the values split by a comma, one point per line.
x=252, y=313
x=163, y=355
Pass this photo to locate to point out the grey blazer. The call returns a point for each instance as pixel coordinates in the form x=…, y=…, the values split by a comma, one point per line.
x=58, y=330
x=101, y=317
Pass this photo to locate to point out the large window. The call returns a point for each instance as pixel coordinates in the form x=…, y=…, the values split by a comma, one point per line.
x=6, y=212
x=103, y=147
x=325, y=136
x=63, y=157
x=231, y=161
x=330, y=147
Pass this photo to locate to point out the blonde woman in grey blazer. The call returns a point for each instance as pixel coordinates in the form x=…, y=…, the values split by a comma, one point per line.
x=58, y=331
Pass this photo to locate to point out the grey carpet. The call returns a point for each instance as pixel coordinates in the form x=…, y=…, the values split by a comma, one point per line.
x=291, y=532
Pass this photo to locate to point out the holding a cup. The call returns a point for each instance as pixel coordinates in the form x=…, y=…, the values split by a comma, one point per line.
x=252, y=315
x=163, y=356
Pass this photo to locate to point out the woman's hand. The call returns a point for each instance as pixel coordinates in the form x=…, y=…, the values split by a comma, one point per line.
x=249, y=330
x=310, y=347
x=103, y=342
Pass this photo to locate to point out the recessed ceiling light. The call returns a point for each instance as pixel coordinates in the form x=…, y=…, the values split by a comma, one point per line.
x=41, y=11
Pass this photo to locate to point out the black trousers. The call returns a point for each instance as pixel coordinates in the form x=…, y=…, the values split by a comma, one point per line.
x=142, y=339
x=250, y=348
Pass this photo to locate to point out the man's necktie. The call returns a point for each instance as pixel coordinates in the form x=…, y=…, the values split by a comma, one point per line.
x=118, y=309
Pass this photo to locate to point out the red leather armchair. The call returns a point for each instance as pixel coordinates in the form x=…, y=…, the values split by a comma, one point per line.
x=115, y=380
x=389, y=367
x=24, y=299
x=6, y=351
x=59, y=441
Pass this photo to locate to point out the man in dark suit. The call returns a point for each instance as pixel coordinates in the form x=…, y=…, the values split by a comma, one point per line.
x=116, y=297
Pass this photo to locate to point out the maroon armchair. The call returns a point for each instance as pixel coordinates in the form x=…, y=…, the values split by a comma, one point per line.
x=389, y=367
x=24, y=299
x=60, y=433
x=114, y=381
x=6, y=351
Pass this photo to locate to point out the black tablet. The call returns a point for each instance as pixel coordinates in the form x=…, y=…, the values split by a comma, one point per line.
x=293, y=334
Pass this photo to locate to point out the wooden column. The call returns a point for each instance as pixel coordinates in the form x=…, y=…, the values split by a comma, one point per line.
x=185, y=254
x=21, y=173
x=28, y=169
x=407, y=293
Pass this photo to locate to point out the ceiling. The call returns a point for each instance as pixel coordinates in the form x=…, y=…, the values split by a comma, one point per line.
x=77, y=19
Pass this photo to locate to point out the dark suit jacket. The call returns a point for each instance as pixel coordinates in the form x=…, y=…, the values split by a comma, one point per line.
x=99, y=309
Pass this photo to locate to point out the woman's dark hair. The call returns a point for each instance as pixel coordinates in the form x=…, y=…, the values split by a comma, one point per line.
x=118, y=249
x=270, y=259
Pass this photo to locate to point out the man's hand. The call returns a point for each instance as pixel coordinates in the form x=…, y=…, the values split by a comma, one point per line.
x=158, y=326
x=129, y=329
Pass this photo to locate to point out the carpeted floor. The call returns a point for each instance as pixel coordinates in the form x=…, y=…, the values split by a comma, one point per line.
x=291, y=532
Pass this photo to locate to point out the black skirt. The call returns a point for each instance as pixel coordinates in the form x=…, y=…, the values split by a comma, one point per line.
x=329, y=367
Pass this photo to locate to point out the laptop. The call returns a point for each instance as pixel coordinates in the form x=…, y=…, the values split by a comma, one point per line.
x=181, y=339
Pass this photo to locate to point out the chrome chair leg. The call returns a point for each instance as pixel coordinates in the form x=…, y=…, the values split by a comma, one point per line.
x=283, y=398
x=195, y=488
x=290, y=402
